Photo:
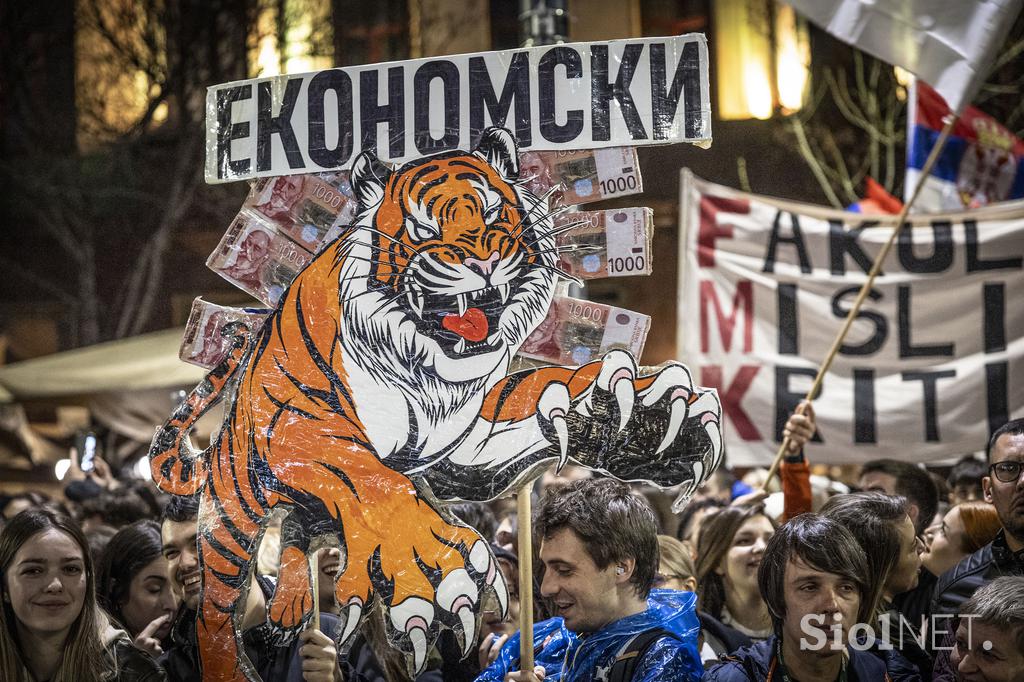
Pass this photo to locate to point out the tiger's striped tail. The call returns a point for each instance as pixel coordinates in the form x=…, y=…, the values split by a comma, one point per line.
x=178, y=468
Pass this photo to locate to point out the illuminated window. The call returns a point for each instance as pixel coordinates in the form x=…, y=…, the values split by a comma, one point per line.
x=762, y=56
x=303, y=27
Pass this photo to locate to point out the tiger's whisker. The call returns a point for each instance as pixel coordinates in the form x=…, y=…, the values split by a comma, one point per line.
x=568, y=227
x=561, y=273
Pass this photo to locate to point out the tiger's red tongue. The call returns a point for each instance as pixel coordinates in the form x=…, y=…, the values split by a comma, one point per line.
x=472, y=326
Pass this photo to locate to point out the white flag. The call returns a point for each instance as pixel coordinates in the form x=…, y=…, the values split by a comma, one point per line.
x=949, y=44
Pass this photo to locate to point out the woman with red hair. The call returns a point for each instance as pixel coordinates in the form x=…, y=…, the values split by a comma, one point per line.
x=965, y=529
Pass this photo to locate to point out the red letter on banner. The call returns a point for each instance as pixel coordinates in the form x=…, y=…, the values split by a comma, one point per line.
x=710, y=207
x=744, y=298
x=732, y=397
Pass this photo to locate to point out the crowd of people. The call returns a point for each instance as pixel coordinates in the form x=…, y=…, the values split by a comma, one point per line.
x=900, y=575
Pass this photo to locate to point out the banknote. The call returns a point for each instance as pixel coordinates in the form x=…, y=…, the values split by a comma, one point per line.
x=257, y=258
x=577, y=331
x=205, y=343
x=306, y=207
x=583, y=176
x=612, y=243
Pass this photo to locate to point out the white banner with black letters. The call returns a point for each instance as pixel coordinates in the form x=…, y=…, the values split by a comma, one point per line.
x=572, y=96
x=933, y=363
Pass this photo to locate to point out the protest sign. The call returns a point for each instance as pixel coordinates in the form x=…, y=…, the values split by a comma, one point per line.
x=934, y=361
x=556, y=97
x=380, y=386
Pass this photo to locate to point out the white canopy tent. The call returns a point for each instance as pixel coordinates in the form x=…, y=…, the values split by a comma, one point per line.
x=129, y=386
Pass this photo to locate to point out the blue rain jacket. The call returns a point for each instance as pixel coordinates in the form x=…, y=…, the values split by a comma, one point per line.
x=567, y=657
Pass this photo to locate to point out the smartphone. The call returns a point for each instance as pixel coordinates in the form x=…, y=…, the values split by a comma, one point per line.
x=86, y=447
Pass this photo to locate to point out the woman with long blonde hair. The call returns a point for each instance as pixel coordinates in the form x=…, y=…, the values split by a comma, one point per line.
x=50, y=626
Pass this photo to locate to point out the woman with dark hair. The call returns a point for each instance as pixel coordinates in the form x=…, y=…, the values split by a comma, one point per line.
x=729, y=551
x=50, y=626
x=133, y=586
x=881, y=525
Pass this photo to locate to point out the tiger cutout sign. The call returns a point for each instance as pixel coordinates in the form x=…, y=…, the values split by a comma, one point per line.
x=380, y=387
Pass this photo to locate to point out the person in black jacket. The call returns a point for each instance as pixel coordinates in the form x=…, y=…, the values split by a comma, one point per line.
x=1004, y=556
x=311, y=656
x=814, y=579
x=1004, y=489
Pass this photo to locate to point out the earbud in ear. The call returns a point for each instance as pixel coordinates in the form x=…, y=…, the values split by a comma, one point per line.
x=620, y=570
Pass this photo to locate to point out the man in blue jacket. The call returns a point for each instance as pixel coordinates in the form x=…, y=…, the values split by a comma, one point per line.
x=600, y=552
x=813, y=577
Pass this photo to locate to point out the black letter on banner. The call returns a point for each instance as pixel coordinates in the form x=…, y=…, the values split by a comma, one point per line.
x=928, y=380
x=877, y=340
x=516, y=87
x=842, y=242
x=907, y=347
x=864, y=406
x=281, y=124
x=942, y=251
x=974, y=262
x=549, y=128
x=686, y=80
x=601, y=92
x=786, y=400
x=449, y=75
x=341, y=84
x=997, y=376
x=796, y=240
x=228, y=131
x=994, y=296
x=789, y=322
x=393, y=113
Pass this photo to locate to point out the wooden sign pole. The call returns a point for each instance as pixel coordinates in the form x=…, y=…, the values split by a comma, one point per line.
x=525, y=578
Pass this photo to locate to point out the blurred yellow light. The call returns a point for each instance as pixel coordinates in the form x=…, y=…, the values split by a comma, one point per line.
x=756, y=90
x=903, y=77
x=268, y=61
x=160, y=113
x=792, y=58
x=762, y=55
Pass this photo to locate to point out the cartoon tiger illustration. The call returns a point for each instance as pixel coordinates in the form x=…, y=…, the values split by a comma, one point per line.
x=380, y=385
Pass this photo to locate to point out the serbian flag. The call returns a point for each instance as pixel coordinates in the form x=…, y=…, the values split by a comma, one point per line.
x=948, y=43
x=981, y=163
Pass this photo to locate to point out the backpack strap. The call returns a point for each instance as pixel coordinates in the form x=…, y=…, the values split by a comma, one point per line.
x=630, y=656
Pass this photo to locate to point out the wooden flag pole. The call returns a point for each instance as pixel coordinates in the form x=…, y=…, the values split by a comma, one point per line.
x=525, y=578
x=876, y=267
x=314, y=572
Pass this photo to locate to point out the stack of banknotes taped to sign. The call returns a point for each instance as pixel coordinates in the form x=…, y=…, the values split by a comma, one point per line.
x=285, y=220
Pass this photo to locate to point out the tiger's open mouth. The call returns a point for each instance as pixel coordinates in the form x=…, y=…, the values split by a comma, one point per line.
x=462, y=325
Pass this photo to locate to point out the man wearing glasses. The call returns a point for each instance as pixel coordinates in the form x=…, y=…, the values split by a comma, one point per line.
x=1004, y=488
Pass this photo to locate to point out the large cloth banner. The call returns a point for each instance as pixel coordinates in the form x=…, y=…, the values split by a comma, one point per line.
x=933, y=363
x=557, y=97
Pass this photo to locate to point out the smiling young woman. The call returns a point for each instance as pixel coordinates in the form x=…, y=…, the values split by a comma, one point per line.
x=50, y=626
x=133, y=585
x=729, y=550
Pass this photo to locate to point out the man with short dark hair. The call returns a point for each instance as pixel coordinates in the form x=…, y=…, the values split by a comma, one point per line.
x=1004, y=489
x=600, y=552
x=965, y=480
x=893, y=477
x=813, y=577
x=1004, y=556
x=311, y=656
x=990, y=636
